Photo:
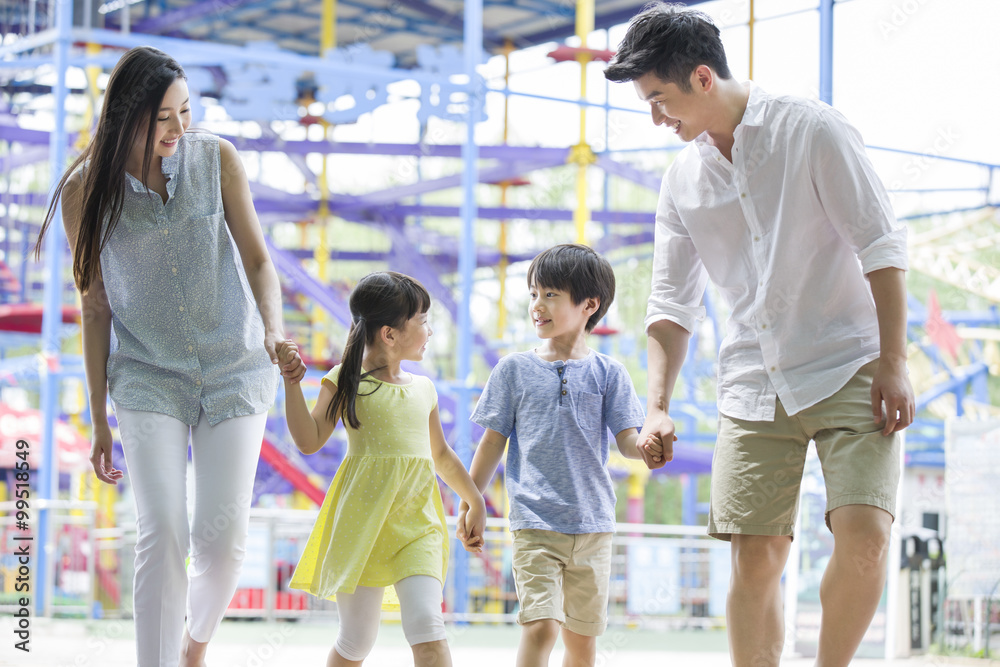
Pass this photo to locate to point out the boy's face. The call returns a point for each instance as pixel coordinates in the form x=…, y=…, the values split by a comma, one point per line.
x=681, y=112
x=554, y=314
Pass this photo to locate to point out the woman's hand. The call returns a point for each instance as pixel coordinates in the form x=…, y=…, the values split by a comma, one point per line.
x=286, y=355
x=100, y=454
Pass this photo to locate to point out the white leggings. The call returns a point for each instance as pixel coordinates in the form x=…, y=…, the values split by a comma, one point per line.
x=225, y=463
x=360, y=612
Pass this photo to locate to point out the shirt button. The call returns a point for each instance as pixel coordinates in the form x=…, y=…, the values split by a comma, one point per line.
x=560, y=371
x=743, y=195
x=190, y=348
x=565, y=381
x=773, y=368
x=166, y=231
x=173, y=269
x=763, y=326
x=563, y=392
x=182, y=309
x=756, y=238
x=197, y=383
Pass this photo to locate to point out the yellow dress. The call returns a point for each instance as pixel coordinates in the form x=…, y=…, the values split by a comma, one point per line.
x=382, y=519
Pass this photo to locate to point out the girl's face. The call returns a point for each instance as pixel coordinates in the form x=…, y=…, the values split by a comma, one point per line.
x=411, y=340
x=172, y=121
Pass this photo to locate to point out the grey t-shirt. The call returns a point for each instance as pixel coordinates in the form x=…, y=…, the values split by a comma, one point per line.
x=557, y=415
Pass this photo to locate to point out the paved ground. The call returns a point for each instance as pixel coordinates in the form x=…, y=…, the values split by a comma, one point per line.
x=79, y=643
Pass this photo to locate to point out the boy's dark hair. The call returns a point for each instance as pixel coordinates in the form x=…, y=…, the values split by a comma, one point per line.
x=670, y=41
x=382, y=299
x=576, y=269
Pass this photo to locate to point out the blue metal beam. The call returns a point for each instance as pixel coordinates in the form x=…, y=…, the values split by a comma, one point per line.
x=826, y=51
x=187, y=14
x=472, y=51
x=55, y=242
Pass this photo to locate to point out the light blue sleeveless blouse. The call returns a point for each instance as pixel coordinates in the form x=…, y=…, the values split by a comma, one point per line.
x=186, y=332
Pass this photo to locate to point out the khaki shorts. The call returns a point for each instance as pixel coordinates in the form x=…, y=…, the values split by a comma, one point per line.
x=757, y=466
x=563, y=577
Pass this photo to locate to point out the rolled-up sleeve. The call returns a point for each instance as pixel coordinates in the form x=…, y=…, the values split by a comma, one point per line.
x=852, y=195
x=679, y=277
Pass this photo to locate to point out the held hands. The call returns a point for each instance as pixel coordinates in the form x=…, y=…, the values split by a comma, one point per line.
x=652, y=451
x=100, y=454
x=286, y=354
x=891, y=386
x=656, y=440
x=472, y=526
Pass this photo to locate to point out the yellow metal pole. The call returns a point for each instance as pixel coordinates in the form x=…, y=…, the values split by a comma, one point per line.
x=328, y=41
x=328, y=36
x=508, y=47
x=582, y=154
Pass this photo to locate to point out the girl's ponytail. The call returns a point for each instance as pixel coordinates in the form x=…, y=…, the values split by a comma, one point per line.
x=349, y=382
x=383, y=299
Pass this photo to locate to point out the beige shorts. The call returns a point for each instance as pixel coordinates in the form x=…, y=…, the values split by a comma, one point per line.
x=757, y=466
x=563, y=577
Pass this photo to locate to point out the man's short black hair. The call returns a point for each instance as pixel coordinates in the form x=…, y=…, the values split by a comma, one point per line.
x=670, y=41
x=576, y=269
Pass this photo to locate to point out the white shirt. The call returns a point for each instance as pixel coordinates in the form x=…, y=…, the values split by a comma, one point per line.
x=786, y=232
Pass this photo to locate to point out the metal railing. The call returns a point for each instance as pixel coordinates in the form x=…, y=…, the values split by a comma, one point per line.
x=670, y=576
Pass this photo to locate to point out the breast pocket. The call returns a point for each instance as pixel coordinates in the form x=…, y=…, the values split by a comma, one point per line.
x=589, y=410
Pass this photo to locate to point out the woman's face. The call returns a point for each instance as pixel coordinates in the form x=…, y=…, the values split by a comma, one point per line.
x=172, y=121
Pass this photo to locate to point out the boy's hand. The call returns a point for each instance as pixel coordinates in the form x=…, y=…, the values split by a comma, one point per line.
x=660, y=426
x=471, y=524
x=292, y=367
x=475, y=523
x=652, y=451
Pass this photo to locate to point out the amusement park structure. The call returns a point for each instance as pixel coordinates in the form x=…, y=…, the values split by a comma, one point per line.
x=281, y=75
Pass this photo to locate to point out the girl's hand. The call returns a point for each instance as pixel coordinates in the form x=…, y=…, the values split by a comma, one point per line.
x=289, y=360
x=464, y=531
x=475, y=527
x=100, y=454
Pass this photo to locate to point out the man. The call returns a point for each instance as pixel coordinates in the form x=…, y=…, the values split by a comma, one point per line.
x=775, y=201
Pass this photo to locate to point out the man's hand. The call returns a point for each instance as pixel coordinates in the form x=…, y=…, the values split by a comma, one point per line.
x=658, y=428
x=891, y=386
x=652, y=451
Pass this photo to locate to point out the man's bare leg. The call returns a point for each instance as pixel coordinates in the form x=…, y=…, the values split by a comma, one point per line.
x=853, y=582
x=754, y=610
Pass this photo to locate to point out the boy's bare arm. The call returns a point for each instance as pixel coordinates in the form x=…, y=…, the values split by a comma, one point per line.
x=487, y=458
x=484, y=465
x=650, y=450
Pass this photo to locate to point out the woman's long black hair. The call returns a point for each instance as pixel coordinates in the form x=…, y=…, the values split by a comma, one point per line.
x=131, y=104
x=379, y=300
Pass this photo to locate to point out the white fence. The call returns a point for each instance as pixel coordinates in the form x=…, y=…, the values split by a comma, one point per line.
x=662, y=575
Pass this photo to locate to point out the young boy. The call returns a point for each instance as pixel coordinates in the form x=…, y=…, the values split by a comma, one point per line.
x=556, y=404
x=775, y=201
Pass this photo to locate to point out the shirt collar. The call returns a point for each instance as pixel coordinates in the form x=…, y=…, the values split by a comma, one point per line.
x=753, y=116
x=756, y=106
x=168, y=167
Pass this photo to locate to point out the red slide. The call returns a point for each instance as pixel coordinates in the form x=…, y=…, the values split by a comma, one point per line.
x=290, y=471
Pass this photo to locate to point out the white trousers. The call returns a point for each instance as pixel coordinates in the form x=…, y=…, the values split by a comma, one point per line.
x=360, y=612
x=225, y=463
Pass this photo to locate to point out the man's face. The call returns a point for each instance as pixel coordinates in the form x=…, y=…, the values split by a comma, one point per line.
x=680, y=111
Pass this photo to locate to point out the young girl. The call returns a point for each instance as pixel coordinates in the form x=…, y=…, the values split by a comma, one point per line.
x=382, y=522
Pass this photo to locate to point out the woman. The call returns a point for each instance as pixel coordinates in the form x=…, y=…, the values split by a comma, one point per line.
x=179, y=335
